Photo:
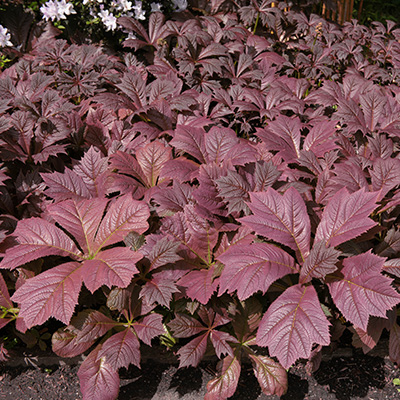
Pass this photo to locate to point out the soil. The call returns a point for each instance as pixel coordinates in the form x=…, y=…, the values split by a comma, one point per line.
x=346, y=374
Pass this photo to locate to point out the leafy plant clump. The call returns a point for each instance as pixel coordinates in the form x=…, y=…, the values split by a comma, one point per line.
x=229, y=185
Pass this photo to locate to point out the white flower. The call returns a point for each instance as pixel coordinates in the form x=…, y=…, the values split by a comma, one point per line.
x=180, y=5
x=108, y=19
x=4, y=37
x=139, y=12
x=65, y=8
x=57, y=9
x=155, y=7
x=122, y=5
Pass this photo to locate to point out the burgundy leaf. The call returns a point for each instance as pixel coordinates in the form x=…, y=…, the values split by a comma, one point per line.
x=151, y=159
x=390, y=245
x=80, y=218
x=159, y=289
x=185, y=326
x=249, y=269
x=270, y=375
x=392, y=266
x=372, y=103
x=367, y=340
x=234, y=190
x=292, y=324
x=112, y=267
x=92, y=168
x=224, y=385
x=265, y=175
x=349, y=175
x=123, y=216
x=320, y=138
x=163, y=252
x=149, y=327
x=172, y=199
x=63, y=344
x=218, y=143
x=283, y=135
x=53, y=293
x=5, y=300
x=346, y=217
x=68, y=185
x=37, y=238
x=281, y=218
x=193, y=352
x=199, y=285
x=204, y=236
x=394, y=343
x=191, y=140
x=121, y=350
x=320, y=262
x=385, y=175
x=207, y=194
x=219, y=340
x=95, y=325
x=363, y=291
x=179, y=169
x=98, y=380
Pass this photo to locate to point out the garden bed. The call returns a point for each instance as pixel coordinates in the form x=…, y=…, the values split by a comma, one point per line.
x=345, y=374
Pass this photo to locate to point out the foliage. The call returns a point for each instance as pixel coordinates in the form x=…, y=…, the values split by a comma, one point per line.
x=232, y=185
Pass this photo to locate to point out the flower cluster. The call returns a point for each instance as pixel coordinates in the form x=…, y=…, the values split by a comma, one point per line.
x=106, y=11
x=57, y=9
x=4, y=37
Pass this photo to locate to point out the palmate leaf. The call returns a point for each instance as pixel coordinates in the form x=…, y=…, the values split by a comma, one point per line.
x=292, y=324
x=55, y=291
x=52, y=293
x=234, y=189
x=218, y=143
x=271, y=376
x=224, y=386
x=363, y=291
x=80, y=218
x=320, y=138
x=112, y=267
x=98, y=380
x=346, y=217
x=392, y=266
x=184, y=326
x=249, y=269
x=280, y=218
